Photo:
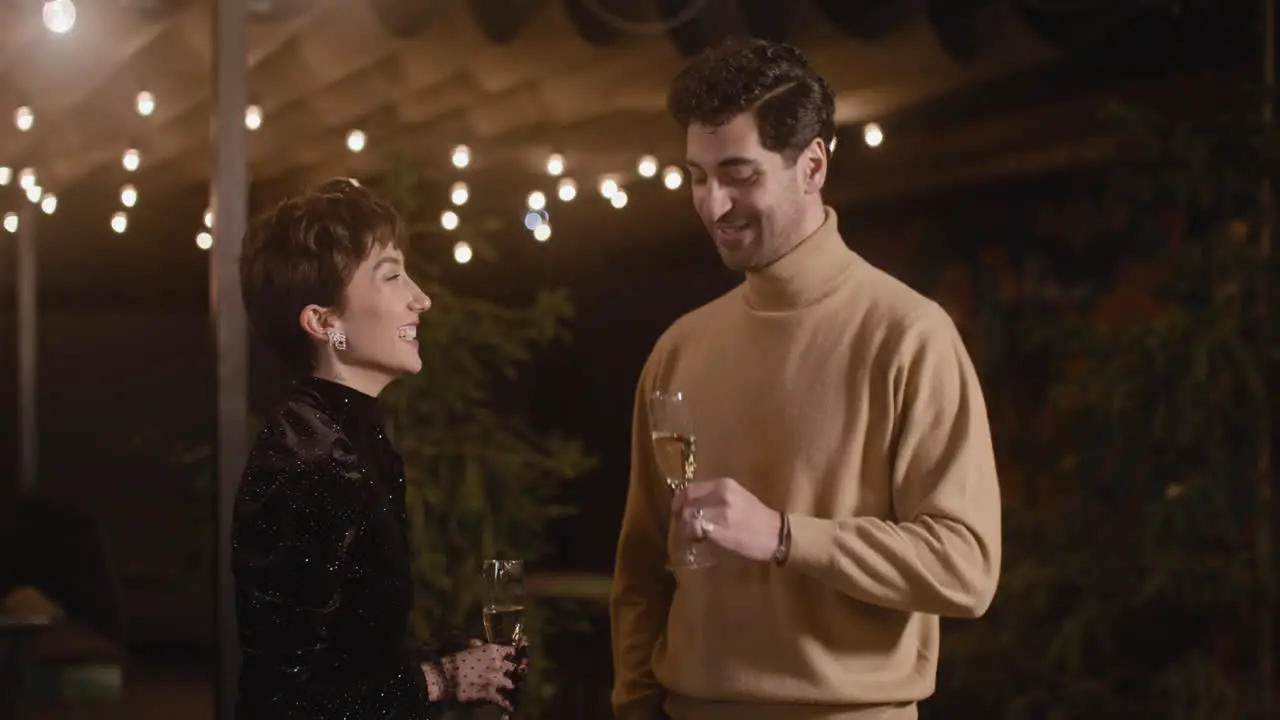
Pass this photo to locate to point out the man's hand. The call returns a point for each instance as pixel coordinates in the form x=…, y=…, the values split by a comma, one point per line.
x=727, y=514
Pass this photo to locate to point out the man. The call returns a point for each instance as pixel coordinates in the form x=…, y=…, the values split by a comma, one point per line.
x=845, y=483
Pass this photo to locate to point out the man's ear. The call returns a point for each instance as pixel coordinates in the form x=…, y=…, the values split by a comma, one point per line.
x=814, y=161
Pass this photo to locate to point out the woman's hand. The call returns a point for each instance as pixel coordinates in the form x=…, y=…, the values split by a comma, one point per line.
x=521, y=657
x=481, y=673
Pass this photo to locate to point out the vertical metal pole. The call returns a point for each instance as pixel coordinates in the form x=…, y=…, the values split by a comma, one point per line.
x=27, y=282
x=1264, y=537
x=230, y=213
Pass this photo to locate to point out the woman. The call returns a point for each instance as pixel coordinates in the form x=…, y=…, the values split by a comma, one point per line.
x=319, y=545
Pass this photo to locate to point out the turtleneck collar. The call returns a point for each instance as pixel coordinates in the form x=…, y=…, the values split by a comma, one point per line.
x=349, y=406
x=807, y=273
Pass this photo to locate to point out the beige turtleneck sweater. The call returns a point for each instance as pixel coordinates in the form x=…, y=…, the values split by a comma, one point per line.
x=837, y=394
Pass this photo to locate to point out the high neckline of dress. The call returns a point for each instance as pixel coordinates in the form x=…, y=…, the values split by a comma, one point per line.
x=346, y=402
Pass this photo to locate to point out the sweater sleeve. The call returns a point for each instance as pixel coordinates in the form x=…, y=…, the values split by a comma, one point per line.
x=642, y=588
x=941, y=554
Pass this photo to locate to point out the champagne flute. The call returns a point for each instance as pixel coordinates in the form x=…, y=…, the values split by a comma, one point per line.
x=675, y=447
x=504, y=606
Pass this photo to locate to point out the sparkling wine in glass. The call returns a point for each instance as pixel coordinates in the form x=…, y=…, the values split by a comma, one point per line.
x=675, y=448
x=503, y=608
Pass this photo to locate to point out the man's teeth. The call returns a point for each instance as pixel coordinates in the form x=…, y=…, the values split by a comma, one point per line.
x=409, y=332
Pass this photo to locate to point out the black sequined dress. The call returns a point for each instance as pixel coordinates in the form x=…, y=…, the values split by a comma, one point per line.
x=321, y=563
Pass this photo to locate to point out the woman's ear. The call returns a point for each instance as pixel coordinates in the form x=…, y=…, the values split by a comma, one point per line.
x=316, y=322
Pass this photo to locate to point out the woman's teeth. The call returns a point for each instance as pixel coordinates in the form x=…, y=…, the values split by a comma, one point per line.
x=409, y=332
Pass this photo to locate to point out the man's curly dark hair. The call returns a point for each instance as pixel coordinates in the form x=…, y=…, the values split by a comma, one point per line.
x=793, y=105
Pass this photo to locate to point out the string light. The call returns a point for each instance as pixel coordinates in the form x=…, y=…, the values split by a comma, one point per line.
x=567, y=189
x=462, y=252
x=145, y=103
x=356, y=141
x=647, y=166
x=459, y=193
x=872, y=135
x=672, y=178
x=23, y=118
x=461, y=156
x=59, y=15
x=555, y=164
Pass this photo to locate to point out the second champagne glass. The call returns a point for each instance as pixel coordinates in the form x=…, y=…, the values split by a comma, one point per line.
x=504, y=606
x=675, y=447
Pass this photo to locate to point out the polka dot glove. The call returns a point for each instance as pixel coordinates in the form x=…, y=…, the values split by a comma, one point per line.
x=479, y=673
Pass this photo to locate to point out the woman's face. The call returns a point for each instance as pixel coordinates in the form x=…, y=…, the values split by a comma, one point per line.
x=379, y=317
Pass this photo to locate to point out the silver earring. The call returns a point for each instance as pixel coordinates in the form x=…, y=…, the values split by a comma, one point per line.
x=337, y=339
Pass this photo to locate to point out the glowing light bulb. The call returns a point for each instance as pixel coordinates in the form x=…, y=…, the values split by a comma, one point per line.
x=672, y=178
x=204, y=240
x=567, y=189
x=462, y=253
x=647, y=166
x=208, y=218
x=49, y=203
x=23, y=118
x=128, y=196
x=872, y=135
x=459, y=193
x=555, y=164
x=119, y=222
x=618, y=199
x=356, y=141
x=536, y=200
x=449, y=220
x=131, y=160
x=253, y=117
x=145, y=103
x=608, y=186
x=6, y=175
x=26, y=178
x=59, y=15
x=34, y=193
x=461, y=156
x=542, y=233
x=11, y=222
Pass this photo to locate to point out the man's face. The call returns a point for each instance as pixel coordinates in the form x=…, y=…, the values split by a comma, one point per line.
x=750, y=200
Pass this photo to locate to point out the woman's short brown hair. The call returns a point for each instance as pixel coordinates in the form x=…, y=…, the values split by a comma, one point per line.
x=303, y=252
